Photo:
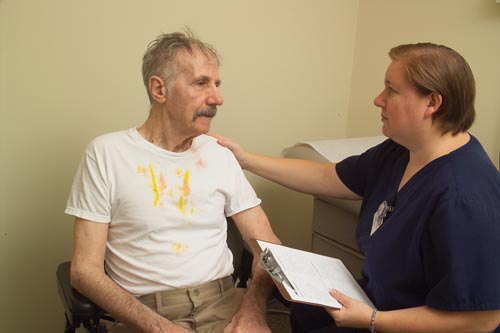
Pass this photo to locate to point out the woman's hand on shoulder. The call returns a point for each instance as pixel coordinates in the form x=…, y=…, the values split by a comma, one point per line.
x=238, y=151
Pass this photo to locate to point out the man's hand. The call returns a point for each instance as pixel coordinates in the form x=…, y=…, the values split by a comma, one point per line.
x=352, y=314
x=251, y=318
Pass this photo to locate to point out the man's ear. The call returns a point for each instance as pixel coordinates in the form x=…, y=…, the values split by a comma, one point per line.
x=435, y=101
x=158, y=89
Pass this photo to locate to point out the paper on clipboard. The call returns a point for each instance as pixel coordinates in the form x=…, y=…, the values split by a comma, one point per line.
x=308, y=277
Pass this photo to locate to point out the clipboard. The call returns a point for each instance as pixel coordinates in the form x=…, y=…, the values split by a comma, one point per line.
x=306, y=277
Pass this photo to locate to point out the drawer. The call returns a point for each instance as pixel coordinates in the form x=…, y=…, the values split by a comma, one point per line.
x=352, y=206
x=353, y=260
x=335, y=222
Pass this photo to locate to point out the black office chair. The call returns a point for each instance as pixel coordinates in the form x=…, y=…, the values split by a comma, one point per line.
x=79, y=311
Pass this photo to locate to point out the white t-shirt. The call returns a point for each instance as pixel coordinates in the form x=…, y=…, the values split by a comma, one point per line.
x=166, y=211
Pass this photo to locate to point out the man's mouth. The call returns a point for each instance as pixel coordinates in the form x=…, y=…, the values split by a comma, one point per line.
x=209, y=112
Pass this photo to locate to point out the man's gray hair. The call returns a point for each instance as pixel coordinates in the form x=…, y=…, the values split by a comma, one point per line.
x=159, y=59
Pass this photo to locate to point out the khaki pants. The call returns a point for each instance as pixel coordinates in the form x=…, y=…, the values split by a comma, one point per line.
x=205, y=308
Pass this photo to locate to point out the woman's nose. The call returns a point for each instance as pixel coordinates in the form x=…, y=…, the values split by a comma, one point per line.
x=378, y=101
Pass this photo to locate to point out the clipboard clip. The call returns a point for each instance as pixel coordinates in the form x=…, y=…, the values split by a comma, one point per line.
x=270, y=264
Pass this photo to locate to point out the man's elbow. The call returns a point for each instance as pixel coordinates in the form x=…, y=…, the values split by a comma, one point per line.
x=80, y=275
x=76, y=276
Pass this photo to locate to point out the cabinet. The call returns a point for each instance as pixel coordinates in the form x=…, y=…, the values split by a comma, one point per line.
x=334, y=231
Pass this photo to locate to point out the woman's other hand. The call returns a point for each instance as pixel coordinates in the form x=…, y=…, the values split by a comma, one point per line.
x=353, y=313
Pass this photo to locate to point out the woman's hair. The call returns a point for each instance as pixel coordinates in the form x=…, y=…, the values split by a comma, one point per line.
x=438, y=69
x=159, y=58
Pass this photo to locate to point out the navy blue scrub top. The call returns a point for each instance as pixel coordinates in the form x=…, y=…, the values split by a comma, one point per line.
x=440, y=246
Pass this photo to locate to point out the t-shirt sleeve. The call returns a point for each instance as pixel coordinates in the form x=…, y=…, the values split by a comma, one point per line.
x=240, y=194
x=90, y=195
x=462, y=259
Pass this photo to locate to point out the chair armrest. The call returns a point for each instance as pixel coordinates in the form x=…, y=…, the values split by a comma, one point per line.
x=74, y=303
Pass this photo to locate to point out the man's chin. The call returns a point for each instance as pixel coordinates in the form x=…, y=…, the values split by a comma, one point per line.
x=203, y=127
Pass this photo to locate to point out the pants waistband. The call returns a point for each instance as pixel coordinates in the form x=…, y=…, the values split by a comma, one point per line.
x=177, y=296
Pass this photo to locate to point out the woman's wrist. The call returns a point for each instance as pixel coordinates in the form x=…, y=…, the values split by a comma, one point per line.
x=372, y=321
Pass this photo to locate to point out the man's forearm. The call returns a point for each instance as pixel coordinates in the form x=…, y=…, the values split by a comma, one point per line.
x=251, y=317
x=261, y=281
x=122, y=305
x=259, y=290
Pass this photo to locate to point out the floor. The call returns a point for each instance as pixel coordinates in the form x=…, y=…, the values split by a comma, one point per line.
x=278, y=317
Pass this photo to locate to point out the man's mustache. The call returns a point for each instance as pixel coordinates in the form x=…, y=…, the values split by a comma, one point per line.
x=209, y=112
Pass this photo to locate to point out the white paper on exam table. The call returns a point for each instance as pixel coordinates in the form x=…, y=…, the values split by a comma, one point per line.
x=338, y=149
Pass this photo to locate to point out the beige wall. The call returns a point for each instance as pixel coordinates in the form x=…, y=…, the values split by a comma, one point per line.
x=70, y=70
x=470, y=27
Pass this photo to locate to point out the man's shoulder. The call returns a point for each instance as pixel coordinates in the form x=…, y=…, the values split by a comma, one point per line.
x=111, y=137
x=109, y=140
x=210, y=148
x=209, y=142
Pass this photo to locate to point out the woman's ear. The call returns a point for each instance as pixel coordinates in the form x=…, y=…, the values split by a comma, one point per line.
x=158, y=89
x=435, y=101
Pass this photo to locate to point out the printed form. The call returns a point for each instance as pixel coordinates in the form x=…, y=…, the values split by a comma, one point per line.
x=310, y=276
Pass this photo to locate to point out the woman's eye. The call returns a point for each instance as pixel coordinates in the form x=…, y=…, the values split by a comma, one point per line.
x=390, y=91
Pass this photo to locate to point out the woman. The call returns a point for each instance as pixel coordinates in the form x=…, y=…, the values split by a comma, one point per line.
x=429, y=224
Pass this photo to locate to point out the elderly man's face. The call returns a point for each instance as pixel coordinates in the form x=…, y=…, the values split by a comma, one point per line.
x=194, y=95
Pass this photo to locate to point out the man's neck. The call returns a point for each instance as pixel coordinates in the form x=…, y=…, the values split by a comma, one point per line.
x=159, y=131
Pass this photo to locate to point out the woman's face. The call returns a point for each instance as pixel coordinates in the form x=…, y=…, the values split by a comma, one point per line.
x=402, y=108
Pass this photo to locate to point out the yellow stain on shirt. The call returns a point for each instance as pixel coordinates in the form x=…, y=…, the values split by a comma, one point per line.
x=155, y=187
x=185, y=185
x=180, y=205
x=179, y=248
x=141, y=170
x=163, y=183
x=185, y=191
x=201, y=163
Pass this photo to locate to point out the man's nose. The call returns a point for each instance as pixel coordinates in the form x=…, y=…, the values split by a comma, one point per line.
x=215, y=97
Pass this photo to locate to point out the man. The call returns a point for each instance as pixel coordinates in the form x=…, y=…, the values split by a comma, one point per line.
x=151, y=205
